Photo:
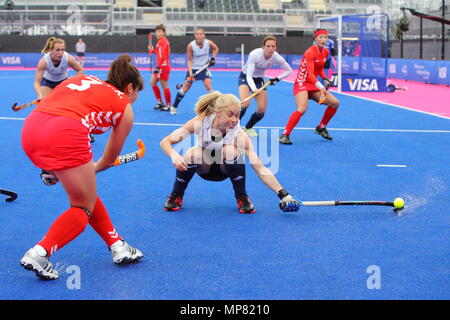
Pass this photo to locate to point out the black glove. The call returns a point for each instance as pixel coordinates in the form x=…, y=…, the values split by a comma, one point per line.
x=156, y=71
x=273, y=81
x=327, y=83
x=48, y=179
x=288, y=203
x=333, y=52
x=212, y=62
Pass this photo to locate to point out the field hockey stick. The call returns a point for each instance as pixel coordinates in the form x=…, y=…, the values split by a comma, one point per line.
x=191, y=79
x=15, y=107
x=255, y=93
x=150, y=41
x=132, y=156
x=398, y=204
x=11, y=195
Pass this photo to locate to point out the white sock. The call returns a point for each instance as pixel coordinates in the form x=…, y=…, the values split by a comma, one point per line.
x=40, y=250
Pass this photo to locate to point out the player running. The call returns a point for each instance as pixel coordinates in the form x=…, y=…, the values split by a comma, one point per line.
x=251, y=79
x=55, y=137
x=307, y=86
x=218, y=154
x=162, y=71
x=198, y=57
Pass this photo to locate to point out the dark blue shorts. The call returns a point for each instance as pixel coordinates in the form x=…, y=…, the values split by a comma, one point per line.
x=259, y=82
x=50, y=84
x=205, y=74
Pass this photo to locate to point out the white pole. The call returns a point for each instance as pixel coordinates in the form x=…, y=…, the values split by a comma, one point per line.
x=242, y=55
x=339, y=60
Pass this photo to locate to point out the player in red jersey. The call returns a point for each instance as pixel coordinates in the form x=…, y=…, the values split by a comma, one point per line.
x=162, y=70
x=307, y=87
x=55, y=137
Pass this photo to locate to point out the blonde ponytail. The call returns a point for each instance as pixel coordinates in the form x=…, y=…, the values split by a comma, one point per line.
x=50, y=44
x=214, y=102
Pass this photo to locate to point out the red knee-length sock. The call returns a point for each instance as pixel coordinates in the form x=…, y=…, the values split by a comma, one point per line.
x=65, y=228
x=292, y=122
x=328, y=114
x=167, y=96
x=102, y=224
x=157, y=93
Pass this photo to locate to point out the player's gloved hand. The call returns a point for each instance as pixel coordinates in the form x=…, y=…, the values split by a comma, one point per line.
x=288, y=203
x=212, y=62
x=327, y=83
x=156, y=71
x=48, y=179
x=273, y=81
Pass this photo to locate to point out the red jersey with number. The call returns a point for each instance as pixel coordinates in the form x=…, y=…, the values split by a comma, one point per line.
x=96, y=104
x=162, y=51
x=310, y=67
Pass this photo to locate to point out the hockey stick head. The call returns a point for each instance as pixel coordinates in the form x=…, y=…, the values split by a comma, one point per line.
x=14, y=107
x=132, y=156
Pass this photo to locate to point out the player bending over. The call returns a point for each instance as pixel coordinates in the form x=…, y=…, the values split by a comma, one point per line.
x=218, y=154
x=55, y=137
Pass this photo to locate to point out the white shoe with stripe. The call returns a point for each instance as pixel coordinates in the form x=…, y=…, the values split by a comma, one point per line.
x=40, y=265
x=123, y=253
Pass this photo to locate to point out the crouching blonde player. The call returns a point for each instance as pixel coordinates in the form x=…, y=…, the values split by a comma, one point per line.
x=218, y=154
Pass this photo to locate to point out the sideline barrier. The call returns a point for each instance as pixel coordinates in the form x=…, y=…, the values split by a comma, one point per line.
x=435, y=72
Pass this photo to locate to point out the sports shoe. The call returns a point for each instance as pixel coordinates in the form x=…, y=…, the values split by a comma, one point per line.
x=324, y=133
x=251, y=132
x=173, y=110
x=159, y=106
x=244, y=204
x=40, y=265
x=284, y=139
x=173, y=202
x=123, y=253
x=165, y=108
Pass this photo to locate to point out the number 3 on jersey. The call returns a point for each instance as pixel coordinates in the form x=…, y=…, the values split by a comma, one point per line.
x=85, y=84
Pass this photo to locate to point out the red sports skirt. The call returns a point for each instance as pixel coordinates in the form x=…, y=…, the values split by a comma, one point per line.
x=55, y=142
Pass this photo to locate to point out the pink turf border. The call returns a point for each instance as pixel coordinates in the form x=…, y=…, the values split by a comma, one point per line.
x=426, y=98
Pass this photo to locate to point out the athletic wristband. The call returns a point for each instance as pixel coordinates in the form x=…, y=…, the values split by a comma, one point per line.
x=282, y=193
x=319, y=85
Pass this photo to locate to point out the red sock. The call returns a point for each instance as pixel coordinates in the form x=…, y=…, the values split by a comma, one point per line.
x=328, y=114
x=157, y=93
x=66, y=228
x=167, y=96
x=102, y=224
x=292, y=122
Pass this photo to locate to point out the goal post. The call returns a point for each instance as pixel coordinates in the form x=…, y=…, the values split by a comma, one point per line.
x=362, y=42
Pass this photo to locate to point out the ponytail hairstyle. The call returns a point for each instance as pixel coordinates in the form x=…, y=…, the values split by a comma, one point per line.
x=214, y=102
x=50, y=44
x=122, y=72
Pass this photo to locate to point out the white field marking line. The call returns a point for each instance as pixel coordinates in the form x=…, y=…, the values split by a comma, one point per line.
x=392, y=165
x=280, y=128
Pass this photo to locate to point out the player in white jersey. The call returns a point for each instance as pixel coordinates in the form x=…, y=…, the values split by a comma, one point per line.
x=52, y=67
x=251, y=78
x=198, y=51
x=218, y=154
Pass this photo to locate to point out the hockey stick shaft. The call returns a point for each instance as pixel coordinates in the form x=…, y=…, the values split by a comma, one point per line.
x=178, y=86
x=255, y=93
x=132, y=156
x=347, y=203
x=15, y=107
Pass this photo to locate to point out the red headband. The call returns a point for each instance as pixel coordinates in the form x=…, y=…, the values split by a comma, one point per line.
x=319, y=32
